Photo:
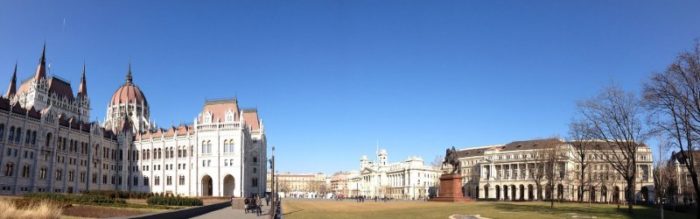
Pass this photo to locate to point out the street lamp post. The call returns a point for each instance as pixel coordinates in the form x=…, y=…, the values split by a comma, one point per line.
x=273, y=193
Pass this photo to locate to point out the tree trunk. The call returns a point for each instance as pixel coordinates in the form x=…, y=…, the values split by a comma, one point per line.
x=630, y=196
x=580, y=190
x=551, y=198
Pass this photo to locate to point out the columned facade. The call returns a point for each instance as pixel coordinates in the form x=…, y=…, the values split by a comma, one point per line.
x=515, y=171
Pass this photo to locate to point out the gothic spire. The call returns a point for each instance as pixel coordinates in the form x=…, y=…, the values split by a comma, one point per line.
x=12, y=89
x=128, y=75
x=82, y=90
x=41, y=69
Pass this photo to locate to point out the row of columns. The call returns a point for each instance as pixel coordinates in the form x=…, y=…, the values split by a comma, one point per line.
x=513, y=171
x=522, y=192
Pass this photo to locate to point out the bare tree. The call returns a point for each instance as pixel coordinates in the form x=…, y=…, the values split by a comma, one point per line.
x=551, y=159
x=614, y=117
x=283, y=186
x=664, y=175
x=674, y=99
x=437, y=162
x=581, y=143
x=538, y=169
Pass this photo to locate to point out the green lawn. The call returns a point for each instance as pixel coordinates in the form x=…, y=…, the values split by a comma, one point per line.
x=407, y=209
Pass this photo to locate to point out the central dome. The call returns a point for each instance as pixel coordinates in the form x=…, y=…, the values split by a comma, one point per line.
x=128, y=93
x=128, y=108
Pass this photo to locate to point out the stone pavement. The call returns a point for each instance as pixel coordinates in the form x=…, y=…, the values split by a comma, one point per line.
x=229, y=212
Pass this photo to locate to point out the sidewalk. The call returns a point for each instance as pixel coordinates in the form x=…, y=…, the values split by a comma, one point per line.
x=234, y=213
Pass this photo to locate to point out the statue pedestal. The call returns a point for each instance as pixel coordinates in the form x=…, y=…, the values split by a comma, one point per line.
x=450, y=189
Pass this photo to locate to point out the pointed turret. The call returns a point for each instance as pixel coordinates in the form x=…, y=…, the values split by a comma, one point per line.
x=82, y=90
x=41, y=69
x=12, y=89
x=128, y=75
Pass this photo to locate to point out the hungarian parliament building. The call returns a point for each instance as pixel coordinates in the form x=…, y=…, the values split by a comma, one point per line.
x=48, y=144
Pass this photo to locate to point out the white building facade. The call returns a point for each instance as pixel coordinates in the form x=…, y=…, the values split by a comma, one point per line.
x=409, y=179
x=506, y=172
x=48, y=144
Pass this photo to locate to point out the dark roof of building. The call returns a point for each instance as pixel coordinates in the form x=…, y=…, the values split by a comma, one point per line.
x=531, y=144
x=61, y=88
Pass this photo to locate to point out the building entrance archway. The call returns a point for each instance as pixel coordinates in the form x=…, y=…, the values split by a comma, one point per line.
x=229, y=185
x=207, y=188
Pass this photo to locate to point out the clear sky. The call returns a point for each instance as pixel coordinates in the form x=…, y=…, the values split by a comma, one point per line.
x=332, y=78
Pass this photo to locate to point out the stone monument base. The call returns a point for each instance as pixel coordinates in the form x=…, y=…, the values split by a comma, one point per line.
x=450, y=189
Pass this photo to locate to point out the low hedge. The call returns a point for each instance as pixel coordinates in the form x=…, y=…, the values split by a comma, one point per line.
x=174, y=201
x=79, y=199
x=120, y=194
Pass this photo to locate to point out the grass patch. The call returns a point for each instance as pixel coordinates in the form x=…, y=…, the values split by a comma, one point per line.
x=496, y=210
x=83, y=211
x=39, y=209
x=88, y=199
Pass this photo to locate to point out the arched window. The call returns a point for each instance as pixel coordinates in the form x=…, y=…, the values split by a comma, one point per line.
x=209, y=147
x=11, y=136
x=207, y=117
x=18, y=135
x=2, y=132
x=9, y=169
x=230, y=145
x=204, y=147
x=225, y=146
x=48, y=139
x=229, y=116
x=28, y=137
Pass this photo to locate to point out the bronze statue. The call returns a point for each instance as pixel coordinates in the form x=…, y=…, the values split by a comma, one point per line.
x=452, y=159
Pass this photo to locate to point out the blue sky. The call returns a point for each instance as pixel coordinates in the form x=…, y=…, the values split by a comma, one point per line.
x=331, y=78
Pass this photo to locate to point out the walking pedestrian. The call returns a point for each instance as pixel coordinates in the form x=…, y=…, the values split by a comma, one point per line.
x=258, y=202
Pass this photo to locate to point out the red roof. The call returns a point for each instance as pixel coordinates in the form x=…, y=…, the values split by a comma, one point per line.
x=251, y=119
x=128, y=93
x=218, y=109
x=61, y=88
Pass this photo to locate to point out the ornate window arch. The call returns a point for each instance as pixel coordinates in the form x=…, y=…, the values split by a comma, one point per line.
x=209, y=146
x=18, y=135
x=11, y=136
x=9, y=168
x=207, y=117
x=229, y=116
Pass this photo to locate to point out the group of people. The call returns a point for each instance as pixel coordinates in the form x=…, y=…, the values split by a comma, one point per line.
x=254, y=204
x=362, y=198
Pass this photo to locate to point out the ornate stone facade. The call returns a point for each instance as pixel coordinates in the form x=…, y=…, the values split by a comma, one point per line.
x=409, y=179
x=504, y=172
x=48, y=144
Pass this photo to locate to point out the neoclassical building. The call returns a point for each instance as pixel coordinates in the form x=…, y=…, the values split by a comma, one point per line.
x=408, y=179
x=48, y=143
x=304, y=185
x=506, y=172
